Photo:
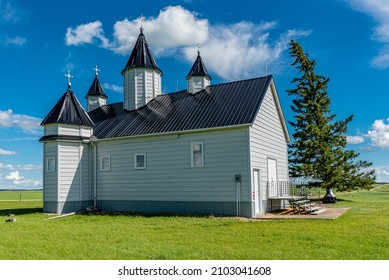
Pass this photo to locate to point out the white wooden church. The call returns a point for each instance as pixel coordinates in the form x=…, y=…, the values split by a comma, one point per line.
x=207, y=149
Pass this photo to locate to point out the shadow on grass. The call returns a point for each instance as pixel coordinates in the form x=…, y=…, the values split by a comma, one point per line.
x=20, y=211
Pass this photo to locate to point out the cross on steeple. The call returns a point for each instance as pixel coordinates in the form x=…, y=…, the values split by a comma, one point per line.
x=69, y=76
x=97, y=70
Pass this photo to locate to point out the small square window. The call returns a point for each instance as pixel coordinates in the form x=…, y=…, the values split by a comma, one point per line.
x=140, y=161
x=105, y=163
x=50, y=164
x=197, y=154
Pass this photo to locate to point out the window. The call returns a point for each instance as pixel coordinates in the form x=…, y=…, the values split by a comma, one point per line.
x=140, y=161
x=197, y=154
x=50, y=164
x=105, y=163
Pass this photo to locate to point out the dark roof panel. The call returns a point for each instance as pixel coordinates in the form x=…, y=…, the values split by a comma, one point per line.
x=229, y=104
x=68, y=110
x=198, y=68
x=96, y=89
x=141, y=56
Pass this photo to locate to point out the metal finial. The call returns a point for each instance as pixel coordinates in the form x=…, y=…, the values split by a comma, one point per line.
x=141, y=23
x=97, y=70
x=198, y=48
x=69, y=76
x=266, y=68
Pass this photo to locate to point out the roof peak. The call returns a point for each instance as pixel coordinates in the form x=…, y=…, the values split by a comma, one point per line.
x=198, y=68
x=141, y=56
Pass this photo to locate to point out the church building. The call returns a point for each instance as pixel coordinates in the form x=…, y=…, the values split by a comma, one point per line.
x=206, y=149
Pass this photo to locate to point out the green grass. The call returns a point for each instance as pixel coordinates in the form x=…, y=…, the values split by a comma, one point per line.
x=23, y=195
x=361, y=233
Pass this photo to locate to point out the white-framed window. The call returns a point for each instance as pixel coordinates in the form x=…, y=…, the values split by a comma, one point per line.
x=105, y=163
x=197, y=154
x=50, y=164
x=140, y=161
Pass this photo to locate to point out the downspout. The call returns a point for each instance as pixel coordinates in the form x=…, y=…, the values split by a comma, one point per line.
x=95, y=174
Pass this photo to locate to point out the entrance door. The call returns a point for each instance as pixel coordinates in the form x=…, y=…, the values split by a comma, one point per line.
x=257, y=191
x=272, y=176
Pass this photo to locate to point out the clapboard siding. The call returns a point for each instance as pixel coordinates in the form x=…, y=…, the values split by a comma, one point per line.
x=268, y=140
x=50, y=190
x=169, y=175
x=74, y=172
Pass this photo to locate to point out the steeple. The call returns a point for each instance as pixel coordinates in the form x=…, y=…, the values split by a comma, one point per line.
x=96, y=96
x=198, y=77
x=142, y=76
x=141, y=56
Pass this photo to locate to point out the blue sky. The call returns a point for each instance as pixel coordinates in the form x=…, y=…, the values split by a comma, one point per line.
x=41, y=40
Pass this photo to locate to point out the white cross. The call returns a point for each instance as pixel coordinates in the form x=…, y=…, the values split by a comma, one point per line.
x=97, y=70
x=69, y=76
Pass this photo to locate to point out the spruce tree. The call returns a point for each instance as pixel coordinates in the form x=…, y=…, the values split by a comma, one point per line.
x=318, y=152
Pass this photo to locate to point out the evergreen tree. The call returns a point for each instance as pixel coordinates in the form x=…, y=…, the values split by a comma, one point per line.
x=318, y=151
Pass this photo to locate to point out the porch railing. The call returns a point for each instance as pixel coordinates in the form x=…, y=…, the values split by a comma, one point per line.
x=286, y=189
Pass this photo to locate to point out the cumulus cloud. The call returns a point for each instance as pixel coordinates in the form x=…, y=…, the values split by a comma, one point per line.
x=382, y=173
x=19, y=180
x=379, y=134
x=112, y=87
x=355, y=139
x=234, y=51
x=86, y=33
x=379, y=11
x=24, y=122
x=29, y=167
x=7, y=153
x=8, y=12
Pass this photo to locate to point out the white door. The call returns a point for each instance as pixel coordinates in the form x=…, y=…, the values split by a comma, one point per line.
x=257, y=191
x=272, y=176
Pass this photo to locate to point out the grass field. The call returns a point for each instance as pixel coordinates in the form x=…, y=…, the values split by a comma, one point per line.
x=361, y=233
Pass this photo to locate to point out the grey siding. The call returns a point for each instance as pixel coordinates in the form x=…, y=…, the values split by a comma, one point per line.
x=50, y=179
x=74, y=172
x=169, y=175
x=268, y=141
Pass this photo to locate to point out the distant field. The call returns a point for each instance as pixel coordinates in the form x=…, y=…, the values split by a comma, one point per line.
x=360, y=233
x=22, y=195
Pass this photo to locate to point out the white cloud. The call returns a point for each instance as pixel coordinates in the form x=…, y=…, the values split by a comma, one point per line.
x=234, y=51
x=7, y=153
x=86, y=33
x=379, y=134
x=8, y=12
x=19, y=180
x=24, y=122
x=382, y=173
x=379, y=11
x=355, y=139
x=112, y=87
x=29, y=167
x=17, y=41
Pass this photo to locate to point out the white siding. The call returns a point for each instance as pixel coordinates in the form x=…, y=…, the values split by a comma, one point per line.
x=169, y=175
x=140, y=86
x=268, y=140
x=74, y=130
x=51, y=129
x=196, y=84
x=50, y=179
x=73, y=168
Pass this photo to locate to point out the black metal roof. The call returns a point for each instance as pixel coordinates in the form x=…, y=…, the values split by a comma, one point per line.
x=228, y=104
x=198, y=68
x=68, y=110
x=141, y=56
x=96, y=89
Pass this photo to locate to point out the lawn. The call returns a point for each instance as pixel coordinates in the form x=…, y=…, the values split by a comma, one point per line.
x=361, y=233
